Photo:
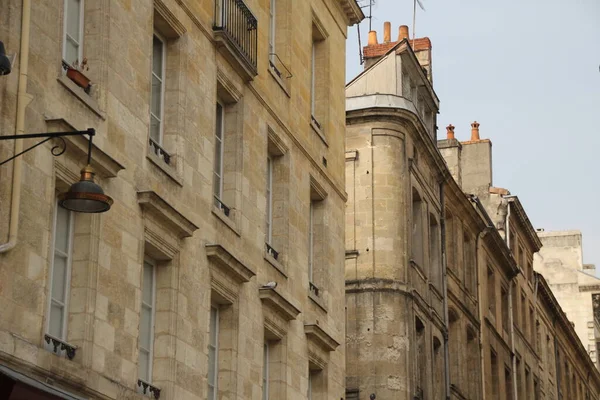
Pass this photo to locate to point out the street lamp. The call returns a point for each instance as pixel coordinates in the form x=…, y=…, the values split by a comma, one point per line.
x=4, y=61
x=85, y=196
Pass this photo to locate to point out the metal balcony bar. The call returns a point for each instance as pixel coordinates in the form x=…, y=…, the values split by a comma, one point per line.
x=238, y=23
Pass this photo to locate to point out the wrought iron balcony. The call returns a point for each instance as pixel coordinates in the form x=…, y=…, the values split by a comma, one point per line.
x=236, y=31
x=148, y=388
x=60, y=345
x=271, y=251
x=159, y=151
x=221, y=206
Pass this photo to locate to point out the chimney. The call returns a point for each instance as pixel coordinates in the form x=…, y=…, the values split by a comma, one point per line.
x=372, y=38
x=402, y=32
x=450, y=132
x=475, y=131
x=387, y=32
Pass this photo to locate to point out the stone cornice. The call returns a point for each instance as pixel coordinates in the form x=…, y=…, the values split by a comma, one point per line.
x=278, y=304
x=228, y=263
x=352, y=11
x=318, y=336
x=526, y=223
x=156, y=206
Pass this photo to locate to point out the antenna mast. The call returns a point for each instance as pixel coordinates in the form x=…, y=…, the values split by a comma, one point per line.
x=364, y=4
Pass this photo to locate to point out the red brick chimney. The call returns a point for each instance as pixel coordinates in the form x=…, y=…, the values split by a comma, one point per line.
x=387, y=32
x=475, y=131
x=450, y=132
x=402, y=32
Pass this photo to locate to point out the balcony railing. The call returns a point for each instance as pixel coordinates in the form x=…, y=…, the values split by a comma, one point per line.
x=235, y=21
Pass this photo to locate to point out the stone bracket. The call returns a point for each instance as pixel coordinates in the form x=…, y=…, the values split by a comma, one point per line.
x=155, y=205
x=228, y=263
x=278, y=304
x=317, y=335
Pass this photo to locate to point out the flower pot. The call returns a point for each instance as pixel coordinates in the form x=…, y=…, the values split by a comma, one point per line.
x=79, y=78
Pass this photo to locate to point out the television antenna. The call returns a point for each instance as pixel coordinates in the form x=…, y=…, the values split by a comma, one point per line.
x=415, y=19
x=364, y=4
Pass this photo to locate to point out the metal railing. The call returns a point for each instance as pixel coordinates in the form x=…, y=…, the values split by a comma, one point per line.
x=221, y=206
x=271, y=251
x=237, y=22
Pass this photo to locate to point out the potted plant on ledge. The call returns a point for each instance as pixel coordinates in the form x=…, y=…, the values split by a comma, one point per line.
x=75, y=73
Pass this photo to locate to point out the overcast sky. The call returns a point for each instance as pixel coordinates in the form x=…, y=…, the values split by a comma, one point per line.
x=528, y=71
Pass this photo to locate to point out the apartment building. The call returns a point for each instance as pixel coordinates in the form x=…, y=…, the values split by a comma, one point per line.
x=219, y=135
x=441, y=296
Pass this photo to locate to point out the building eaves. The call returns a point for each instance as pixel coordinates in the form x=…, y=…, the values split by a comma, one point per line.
x=554, y=306
x=529, y=229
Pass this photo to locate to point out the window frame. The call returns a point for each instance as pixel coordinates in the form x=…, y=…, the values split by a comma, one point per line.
x=150, y=351
x=272, y=30
x=269, y=210
x=221, y=141
x=160, y=118
x=311, y=239
x=265, y=379
x=69, y=256
x=65, y=34
x=313, y=86
x=213, y=333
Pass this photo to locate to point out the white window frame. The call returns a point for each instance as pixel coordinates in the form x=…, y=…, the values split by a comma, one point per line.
x=67, y=293
x=80, y=42
x=215, y=362
x=269, y=210
x=160, y=118
x=311, y=237
x=152, y=317
x=221, y=139
x=272, y=31
x=266, y=357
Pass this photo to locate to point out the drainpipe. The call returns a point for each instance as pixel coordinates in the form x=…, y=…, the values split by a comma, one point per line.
x=23, y=100
x=481, y=235
x=445, y=292
x=511, y=287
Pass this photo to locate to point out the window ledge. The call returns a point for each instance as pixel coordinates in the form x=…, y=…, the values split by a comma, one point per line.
x=279, y=81
x=319, y=132
x=89, y=101
x=276, y=264
x=167, y=169
x=228, y=221
x=278, y=303
x=148, y=388
x=351, y=254
x=317, y=300
x=228, y=263
x=165, y=213
x=320, y=337
x=60, y=346
x=418, y=268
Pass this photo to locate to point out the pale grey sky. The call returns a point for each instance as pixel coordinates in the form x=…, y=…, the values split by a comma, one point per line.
x=528, y=71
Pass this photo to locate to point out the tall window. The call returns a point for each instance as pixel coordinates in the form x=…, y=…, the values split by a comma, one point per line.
x=73, y=31
x=158, y=89
x=218, y=167
x=313, y=79
x=269, y=210
x=421, y=365
x=435, y=265
x=318, y=76
x=265, y=394
x=272, y=31
x=213, y=353
x=147, y=321
x=311, y=239
x=310, y=385
x=508, y=383
x=505, y=310
x=417, y=229
x=60, y=273
x=495, y=377
x=491, y=288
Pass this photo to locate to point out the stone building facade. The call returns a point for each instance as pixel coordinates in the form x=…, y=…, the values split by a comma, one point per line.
x=441, y=296
x=220, y=137
x=574, y=283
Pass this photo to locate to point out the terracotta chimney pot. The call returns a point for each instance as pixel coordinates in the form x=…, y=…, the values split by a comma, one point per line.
x=450, y=131
x=475, y=131
x=387, y=32
x=402, y=32
x=372, y=38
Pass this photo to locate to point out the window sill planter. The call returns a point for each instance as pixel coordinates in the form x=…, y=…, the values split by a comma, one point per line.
x=80, y=79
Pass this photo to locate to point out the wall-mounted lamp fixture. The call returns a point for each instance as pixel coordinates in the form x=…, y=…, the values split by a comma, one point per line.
x=4, y=61
x=85, y=196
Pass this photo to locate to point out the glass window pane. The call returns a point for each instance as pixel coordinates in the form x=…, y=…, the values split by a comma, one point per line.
x=155, y=105
x=71, y=52
x=146, y=328
x=155, y=129
x=72, y=18
x=219, y=122
x=59, y=278
x=144, y=365
x=214, y=316
x=157, y=56
x=211, y=392
x=211, y=365
x=148, y=284
x=218, y=155
x=55, y=327
x=61, y=230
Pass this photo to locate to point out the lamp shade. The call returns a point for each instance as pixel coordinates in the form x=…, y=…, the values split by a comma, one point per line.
x=86, y=196
x=4, y=61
